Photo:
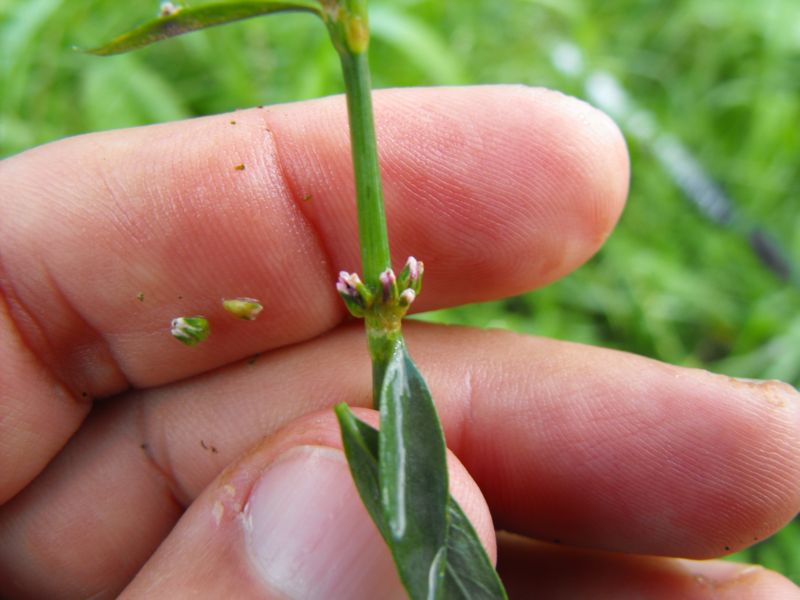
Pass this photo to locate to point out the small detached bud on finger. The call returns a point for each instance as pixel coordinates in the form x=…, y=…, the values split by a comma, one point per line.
x=190, y=330
x=243, y=308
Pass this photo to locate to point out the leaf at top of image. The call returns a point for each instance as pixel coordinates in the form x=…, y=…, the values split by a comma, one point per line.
x=177, y=20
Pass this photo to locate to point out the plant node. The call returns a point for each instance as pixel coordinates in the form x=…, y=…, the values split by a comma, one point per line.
x=387, y=306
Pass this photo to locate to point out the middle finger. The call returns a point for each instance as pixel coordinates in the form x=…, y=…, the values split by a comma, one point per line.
x=588, y=446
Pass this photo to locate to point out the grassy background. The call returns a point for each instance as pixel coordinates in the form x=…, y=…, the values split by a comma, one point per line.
x=718, y=75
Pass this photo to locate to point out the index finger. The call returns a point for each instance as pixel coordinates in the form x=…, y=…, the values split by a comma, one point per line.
x=105, y=238
x=497, y=189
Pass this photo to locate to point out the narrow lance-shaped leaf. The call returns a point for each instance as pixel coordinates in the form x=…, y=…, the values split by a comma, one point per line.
x=361, y=448
x=413, y=475
x=469, y=573
x=179, y=20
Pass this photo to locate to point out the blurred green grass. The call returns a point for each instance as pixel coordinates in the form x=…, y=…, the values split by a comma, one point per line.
x=720, y=76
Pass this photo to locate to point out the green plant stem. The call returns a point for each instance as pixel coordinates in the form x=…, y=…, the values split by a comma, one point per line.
x=381, y=343
x=383, y=332
x=372, y=233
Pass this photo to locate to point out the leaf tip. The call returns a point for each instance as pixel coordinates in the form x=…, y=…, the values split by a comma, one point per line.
x=342, y=411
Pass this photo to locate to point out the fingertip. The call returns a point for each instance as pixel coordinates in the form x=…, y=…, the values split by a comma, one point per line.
x=538, y=177
x=606, y=164
x=587, y=153
x=535, y=176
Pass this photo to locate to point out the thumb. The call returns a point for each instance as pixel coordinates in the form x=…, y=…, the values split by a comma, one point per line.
x=286, y=521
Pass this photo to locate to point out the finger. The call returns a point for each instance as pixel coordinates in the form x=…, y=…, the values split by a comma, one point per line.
x=30, y=431
x=591, y=447
x=106, y=238
x=555, y=572
x=90, y=222
x=286, y=521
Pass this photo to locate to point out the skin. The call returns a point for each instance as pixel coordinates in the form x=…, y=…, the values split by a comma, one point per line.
x=116, y=440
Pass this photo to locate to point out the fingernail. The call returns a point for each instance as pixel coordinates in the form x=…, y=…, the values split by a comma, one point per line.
x=309, y=536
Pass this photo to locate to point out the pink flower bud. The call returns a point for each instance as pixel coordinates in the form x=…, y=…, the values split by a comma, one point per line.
x=389, y=283
x=413, y=266
x=348, y=284
x=357, y=297
x=407, y=297
x=344, y=289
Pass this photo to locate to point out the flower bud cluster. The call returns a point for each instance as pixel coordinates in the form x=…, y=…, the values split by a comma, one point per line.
x=395, y=295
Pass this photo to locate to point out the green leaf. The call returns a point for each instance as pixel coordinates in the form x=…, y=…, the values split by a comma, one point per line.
x=186, y=19
x=413, y=476
x=361, y=448
x=469, y=572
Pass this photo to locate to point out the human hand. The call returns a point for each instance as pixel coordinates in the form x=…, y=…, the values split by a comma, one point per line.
x=215, y=470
